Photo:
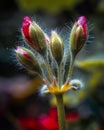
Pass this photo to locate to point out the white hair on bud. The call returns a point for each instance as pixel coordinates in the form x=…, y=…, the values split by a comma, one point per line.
x=90, y=33
x=15, y=60
x=77, y=83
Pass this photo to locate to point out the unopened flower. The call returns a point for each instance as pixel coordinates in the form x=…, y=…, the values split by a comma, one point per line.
x=78, y=35
x=27, y=59
x=77, y=83
x=53, y=74
x=51, y=49
x=34, y=35
x=57, y=47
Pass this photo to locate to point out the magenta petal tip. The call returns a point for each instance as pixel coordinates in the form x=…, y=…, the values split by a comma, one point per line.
x=26, y=19
x=82, y=20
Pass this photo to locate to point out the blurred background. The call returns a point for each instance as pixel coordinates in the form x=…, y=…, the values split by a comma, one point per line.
x=22, y=107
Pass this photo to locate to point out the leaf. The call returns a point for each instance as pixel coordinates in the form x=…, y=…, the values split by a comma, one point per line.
x=91, y=65
x=52, y=5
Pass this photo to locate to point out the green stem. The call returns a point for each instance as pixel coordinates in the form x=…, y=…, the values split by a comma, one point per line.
x=59, y=75
x=71, y=66
x=61, y=112
x=48, y=68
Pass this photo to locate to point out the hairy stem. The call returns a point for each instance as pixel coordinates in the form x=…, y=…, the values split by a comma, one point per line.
x=46, y=61
x=61, y=112
x=71, y=66
x=49, y=70
x=59, y=75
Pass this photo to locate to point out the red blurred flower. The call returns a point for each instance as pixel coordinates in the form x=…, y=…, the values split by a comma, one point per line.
x=49, y=121
x=46, y=122
x=101, y=128
x=28, y=123
x=72, y=117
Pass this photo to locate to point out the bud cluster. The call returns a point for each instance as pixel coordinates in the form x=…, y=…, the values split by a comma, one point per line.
x=49, y=51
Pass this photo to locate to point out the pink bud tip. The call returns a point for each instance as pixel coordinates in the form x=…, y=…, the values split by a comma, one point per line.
x=82, y=21
x=26, y=19
x=53, y=32
x=17, y=49
x=47, y=39
x=22, y=52
x=25, y=26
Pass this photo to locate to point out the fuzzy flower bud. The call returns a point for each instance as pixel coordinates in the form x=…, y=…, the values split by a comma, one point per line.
x=27, y=59
x=78, y=35
x=34, y=35
x=77, y=83
x=57, y=47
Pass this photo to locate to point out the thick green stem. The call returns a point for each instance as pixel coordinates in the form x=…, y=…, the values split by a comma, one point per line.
x=61, y=112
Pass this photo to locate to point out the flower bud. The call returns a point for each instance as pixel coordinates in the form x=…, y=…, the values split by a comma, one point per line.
x=34, y=35
x=27, y=59
x=57, y=47
x=78, y=35
x=77, y=84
